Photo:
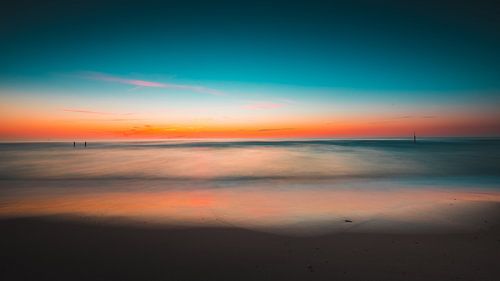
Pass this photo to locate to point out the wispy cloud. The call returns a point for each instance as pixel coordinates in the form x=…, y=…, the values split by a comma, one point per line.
x=149, y=84
x=149, y=130
x=399, y=118
x=275, y=129
x=263, y=105
x=85, y=111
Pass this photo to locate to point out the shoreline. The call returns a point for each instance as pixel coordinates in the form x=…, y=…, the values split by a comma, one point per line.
x=286, y=211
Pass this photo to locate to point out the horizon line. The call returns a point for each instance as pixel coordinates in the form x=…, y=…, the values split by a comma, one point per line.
x=209, y=139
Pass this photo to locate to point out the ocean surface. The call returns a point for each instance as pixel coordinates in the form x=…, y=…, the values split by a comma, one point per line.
x=299, y=186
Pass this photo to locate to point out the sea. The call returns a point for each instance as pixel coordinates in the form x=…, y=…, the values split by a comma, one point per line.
x=293, y=187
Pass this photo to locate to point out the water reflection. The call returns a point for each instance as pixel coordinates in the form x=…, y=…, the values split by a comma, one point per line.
x=329, y=159
x=294, y=187
x=310, y=210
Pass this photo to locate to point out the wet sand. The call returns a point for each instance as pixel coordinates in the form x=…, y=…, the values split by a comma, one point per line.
x=56, y=248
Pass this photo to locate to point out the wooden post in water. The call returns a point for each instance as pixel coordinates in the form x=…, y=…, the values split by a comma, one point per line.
x=414, y=138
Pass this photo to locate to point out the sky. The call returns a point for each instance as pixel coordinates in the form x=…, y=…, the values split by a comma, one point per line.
x=74, y=70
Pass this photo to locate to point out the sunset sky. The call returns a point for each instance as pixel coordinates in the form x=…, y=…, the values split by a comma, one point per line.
x=264, y=69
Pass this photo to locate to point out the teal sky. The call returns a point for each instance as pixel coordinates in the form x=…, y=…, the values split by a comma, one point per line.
x=361, y=54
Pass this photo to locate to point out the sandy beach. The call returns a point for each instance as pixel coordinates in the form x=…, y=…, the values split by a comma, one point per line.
x=52, y=248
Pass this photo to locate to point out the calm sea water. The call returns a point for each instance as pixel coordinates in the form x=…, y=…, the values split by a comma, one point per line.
x=268, y=184
x=292, y=160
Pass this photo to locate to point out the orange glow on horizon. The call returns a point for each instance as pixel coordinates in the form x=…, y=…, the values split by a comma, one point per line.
x=26, y=128
x=28, y=122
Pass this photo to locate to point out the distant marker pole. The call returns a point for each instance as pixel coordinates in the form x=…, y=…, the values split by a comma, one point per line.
x=414, y=138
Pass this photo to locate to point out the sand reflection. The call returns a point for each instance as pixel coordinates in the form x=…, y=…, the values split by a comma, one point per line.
x=310, y=211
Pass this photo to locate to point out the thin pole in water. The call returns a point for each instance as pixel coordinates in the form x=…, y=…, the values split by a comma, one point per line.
x=414, y=138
